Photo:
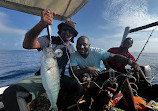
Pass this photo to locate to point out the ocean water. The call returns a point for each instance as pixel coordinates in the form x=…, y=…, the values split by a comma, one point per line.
x=16, y=65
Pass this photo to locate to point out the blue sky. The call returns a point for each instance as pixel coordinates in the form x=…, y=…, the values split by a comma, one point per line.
x=103, y=21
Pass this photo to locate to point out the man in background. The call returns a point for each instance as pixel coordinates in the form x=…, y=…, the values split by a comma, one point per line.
x=123, y=50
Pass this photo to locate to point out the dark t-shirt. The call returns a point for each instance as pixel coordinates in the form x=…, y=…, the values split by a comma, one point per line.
x=57, y=44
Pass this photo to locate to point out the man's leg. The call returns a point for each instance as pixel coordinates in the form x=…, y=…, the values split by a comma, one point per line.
x=127, y=92
x=15, y=98
x=71, y=90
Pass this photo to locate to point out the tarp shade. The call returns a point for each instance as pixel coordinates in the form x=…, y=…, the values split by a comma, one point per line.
x=63, y=8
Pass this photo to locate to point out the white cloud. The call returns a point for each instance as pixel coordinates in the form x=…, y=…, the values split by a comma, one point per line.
x=154, y=40
x=104, y=43
x=131, y=13
x=3, y=16
x=19, y=42
x=4, y=28
x=118, y=35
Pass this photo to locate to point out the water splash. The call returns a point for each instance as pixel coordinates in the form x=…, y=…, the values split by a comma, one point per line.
x=127, y=12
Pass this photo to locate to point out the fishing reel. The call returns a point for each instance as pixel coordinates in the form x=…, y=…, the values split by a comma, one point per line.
x=87, y=77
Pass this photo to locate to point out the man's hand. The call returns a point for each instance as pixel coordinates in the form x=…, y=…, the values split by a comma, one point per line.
x=47, y=17
x=110, y=70
x=133, y=64
x=149, y=84
x=93, y=71
x=136, y=66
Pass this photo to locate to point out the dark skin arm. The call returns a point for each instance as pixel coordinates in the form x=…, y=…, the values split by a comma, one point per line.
x=115, y=58
x=121, y=59
x=107, y=65
x=90, y=70
x=141, y=74
x=31, y=37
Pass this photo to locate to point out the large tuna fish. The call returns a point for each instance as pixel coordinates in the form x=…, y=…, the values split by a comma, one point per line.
x=50, y=76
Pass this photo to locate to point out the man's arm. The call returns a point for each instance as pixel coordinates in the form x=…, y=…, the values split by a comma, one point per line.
x=78, y=72
x=31, y=37
x=141, y=74
x=118, y=58
x=122, y=59
x=107, y=66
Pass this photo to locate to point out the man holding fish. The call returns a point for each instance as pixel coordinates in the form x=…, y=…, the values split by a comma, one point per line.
x=16, y=97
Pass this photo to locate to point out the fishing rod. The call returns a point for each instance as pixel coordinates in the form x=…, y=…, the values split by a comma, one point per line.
x=146, y=42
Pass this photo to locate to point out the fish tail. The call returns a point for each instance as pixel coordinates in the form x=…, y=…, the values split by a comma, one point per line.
x=50, y=108
x=55, y=108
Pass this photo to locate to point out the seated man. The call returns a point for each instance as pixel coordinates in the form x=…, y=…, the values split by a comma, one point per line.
x=123, y=50
x=89, y=61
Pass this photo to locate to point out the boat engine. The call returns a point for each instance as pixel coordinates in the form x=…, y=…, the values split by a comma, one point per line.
x=147, y=71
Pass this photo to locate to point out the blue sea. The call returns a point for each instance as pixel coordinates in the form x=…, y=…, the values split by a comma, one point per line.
x=16, y=65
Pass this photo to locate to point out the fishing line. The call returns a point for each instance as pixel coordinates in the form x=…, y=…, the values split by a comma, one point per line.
x=69, y=61
x=146, y=43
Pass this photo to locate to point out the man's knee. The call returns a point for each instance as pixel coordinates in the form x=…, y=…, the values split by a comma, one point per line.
x=12, y=91
x=78, y=88
x=10, y=97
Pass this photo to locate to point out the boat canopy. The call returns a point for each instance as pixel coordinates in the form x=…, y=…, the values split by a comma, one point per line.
x=64, y=8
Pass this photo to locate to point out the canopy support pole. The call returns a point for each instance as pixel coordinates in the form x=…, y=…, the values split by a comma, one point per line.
x=128, y=30
x=125, y=33
x=143, y=27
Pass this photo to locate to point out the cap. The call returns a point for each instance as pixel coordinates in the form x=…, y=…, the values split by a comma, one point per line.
x=127, y=42
x=70, y=24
